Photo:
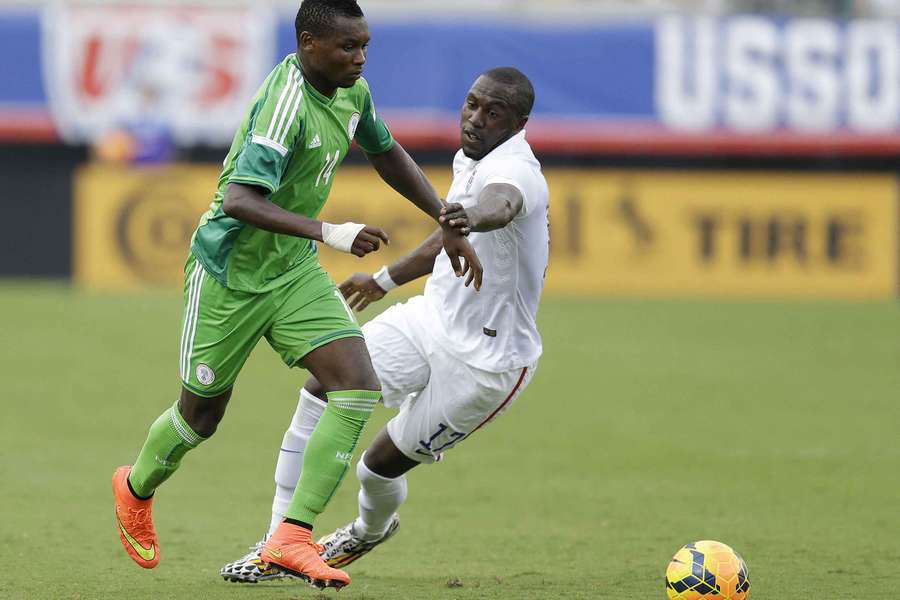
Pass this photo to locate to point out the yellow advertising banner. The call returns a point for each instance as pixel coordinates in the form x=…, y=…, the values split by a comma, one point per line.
x=734, y=234
x=640, y=233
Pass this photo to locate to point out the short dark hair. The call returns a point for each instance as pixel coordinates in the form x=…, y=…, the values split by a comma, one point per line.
x=523, y=97
x=317, y=16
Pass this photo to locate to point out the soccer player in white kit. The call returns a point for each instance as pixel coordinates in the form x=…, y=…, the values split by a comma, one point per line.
x=454, y=358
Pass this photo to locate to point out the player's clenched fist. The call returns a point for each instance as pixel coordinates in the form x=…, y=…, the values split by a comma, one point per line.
x=354, y=238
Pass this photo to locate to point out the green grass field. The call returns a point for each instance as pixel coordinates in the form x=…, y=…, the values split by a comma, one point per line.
x=770, y=426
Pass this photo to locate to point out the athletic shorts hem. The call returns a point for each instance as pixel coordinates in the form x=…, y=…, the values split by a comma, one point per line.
x=205, y=393
x=326, y=339
x=419, y=458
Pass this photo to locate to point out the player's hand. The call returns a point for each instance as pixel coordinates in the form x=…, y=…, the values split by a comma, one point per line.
x=368, y=240
x=454, y=216
x=458, y=247
x=360, y=290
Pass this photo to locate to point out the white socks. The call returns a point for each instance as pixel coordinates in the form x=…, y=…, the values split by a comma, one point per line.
x=379, y=499
x=290, y=458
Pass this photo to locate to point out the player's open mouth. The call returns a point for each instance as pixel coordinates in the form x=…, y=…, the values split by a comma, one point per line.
x=471, y=136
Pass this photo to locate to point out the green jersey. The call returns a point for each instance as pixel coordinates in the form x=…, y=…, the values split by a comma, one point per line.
x=289, y=143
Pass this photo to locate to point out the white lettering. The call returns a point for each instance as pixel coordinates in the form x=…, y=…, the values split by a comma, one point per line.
x=752, y=96
x=811, y=48
x=872, y=75
x=685, y=72
x=757, y=74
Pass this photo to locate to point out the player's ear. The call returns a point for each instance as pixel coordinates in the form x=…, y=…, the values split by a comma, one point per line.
x=306, y=41
x=522, y=121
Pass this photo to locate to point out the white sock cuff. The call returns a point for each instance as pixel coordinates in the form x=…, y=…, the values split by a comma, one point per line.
x=369, y=477
x=307, y=397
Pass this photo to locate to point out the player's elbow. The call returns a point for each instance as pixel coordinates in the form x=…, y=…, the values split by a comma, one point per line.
x=233, y=203
x=509, y=212
x=502, y=216
x=228, y=206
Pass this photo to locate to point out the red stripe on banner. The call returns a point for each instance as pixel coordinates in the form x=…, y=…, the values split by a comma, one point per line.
x=563, y=136
x=27, y=125
x=505, y=402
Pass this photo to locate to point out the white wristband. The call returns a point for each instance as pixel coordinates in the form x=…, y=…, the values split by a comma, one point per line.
x=383, y=279
x=340, y=237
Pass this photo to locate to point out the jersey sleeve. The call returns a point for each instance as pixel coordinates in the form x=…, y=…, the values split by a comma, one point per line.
x=273, y=129
x=372, y=134
x=511, y=172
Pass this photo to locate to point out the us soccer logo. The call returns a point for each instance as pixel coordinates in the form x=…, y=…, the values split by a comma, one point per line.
x=190, y=69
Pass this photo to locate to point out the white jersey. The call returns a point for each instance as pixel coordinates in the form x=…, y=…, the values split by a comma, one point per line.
x=496, y=329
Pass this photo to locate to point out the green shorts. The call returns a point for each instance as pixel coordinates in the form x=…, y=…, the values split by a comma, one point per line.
x=222, y=326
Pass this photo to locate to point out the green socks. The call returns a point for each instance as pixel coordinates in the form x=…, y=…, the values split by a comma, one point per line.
x=330, y=450
x=169, y=439
x=325, y=462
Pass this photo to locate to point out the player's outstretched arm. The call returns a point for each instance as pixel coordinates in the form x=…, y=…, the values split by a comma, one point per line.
x=400, y=172
x=245, y=203
x=361, y=289
x=498, y=204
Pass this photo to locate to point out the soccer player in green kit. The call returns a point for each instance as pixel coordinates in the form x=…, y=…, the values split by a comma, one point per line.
x=253, y=272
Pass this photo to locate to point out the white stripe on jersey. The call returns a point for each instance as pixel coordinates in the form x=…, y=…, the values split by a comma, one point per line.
x=290, y=121
x=258, y=139
x=288, y=86
x=288, y=105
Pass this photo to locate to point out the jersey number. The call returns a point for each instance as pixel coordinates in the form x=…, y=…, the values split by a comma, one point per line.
x=328, y=167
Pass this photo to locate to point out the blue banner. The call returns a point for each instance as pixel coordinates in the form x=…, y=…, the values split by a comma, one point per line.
x=743, y=81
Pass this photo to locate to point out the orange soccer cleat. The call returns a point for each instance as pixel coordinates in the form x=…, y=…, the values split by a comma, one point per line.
x=292, y=550
x=134, y=518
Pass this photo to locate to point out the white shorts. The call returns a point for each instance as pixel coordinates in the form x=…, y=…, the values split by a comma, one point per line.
x=442, y=400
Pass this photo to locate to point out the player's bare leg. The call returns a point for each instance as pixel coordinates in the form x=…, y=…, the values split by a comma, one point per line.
x=344, y=369
x=381, y=472
x=179, y=429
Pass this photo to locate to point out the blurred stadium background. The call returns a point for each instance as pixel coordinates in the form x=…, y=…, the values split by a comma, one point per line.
x=720, y=310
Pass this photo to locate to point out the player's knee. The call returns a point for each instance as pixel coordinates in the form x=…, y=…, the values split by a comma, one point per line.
x=203, y=414
x=384, y=459
x=204, y=425
x=355, y=381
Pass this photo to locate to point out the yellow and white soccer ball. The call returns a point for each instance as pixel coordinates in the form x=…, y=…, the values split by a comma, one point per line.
x=707, y=570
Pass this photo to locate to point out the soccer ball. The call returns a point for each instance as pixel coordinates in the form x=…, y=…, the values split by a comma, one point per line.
x=707, y=570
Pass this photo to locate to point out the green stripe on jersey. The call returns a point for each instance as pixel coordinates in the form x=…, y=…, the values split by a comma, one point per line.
x=290, y=143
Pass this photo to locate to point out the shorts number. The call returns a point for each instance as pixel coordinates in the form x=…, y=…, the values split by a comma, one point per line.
x=433, y=447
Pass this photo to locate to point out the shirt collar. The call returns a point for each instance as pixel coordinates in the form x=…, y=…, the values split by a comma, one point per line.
x=508, y=147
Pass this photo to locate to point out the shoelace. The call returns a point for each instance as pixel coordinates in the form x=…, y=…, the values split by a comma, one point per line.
x=344, y=536
x=255, y=552
x=142, y=522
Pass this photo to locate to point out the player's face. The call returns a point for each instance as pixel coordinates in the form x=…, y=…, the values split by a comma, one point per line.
x=338, y=56
x=488, y=118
